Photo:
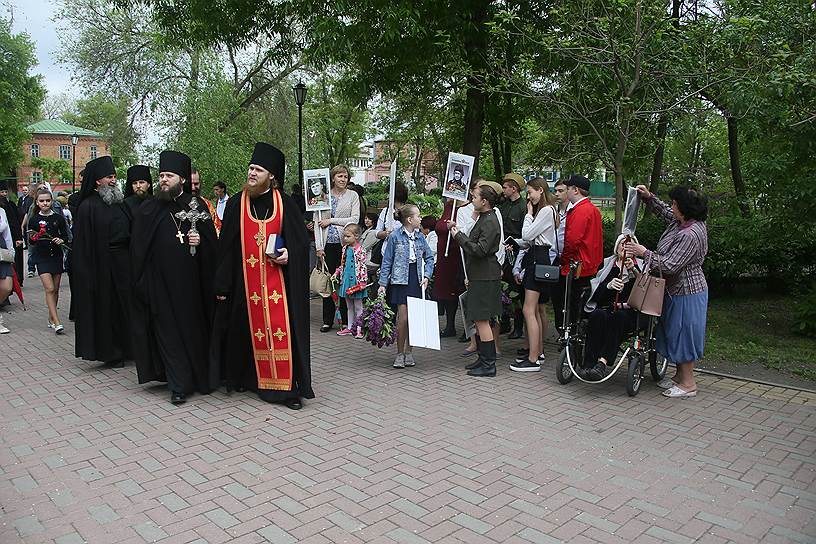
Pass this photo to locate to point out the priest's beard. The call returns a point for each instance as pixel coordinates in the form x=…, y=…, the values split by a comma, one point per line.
x=257, y=190
x=111, y=194
x=170, y=194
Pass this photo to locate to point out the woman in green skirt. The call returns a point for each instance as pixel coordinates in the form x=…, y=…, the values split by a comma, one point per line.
x=483, y=273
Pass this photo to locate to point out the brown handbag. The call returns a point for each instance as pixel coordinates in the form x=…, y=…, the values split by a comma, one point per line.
x=647, y=292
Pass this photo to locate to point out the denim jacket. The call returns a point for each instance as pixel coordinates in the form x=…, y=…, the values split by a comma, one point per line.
x=394, y=267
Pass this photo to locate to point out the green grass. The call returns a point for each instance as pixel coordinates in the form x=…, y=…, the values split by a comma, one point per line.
x=750, y=330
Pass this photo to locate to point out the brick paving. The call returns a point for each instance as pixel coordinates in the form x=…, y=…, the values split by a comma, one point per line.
x=424, y=454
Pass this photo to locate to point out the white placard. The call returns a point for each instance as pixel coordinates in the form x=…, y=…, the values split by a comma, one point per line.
x=630, y=214
x=392, y=184
x=316, y=189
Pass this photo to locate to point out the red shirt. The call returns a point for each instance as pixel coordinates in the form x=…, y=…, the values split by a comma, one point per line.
x=583, y=239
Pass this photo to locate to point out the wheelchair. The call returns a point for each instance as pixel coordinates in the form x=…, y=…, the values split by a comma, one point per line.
x=635, y=351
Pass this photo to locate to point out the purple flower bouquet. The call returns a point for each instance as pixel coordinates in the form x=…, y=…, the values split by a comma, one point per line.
x=378, y=322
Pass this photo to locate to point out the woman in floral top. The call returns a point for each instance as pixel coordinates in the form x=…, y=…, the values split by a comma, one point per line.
x=679, y=255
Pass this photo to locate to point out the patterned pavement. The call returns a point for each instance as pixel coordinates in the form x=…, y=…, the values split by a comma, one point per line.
x=424, y=454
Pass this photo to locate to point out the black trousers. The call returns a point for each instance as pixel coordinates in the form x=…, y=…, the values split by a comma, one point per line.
x=333, y=254
x=605, y=332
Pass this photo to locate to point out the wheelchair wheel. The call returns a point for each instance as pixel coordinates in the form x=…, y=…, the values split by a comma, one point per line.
x=658, y=365
x=635, y=375
x=562, y=369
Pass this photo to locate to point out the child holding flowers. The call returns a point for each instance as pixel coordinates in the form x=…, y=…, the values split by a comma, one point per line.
x=353, y=274
x=405, y=251
x=47, y=233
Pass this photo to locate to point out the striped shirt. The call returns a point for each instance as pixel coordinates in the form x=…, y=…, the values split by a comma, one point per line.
x=680, y=252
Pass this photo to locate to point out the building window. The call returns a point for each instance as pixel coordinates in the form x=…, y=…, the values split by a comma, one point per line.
x=35, y=150
x=36, y=177
x=65, y=152
x=93, y=152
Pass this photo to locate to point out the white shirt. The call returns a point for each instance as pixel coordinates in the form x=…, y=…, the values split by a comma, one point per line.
x=465, y=222
x=387, y=223
x=221, y=206
x=411, y=245
x=558, y=248
x=5, y=229
x=540, y=230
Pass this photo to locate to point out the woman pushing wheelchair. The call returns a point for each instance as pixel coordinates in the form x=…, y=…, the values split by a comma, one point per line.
x=681, y=249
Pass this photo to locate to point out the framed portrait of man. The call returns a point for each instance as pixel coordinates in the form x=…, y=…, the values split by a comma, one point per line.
x=316, y=189
x=457, y=176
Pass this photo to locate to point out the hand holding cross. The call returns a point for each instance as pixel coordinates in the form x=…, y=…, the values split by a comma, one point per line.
x=193, y=216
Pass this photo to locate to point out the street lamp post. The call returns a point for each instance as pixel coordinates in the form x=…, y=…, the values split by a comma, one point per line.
x=74, y=140
x=300, y=99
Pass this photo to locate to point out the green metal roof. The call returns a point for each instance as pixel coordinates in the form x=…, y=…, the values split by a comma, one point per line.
x=52, y=126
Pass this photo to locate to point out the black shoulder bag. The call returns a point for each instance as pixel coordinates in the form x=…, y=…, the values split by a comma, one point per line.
x=548, y=273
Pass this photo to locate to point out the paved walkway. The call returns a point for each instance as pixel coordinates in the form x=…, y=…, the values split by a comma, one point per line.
x=418, y=455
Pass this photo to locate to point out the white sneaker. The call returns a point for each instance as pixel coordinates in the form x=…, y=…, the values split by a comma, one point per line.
x=409, y=359
x=399, y=362
x=51, y=325
x=3, y=329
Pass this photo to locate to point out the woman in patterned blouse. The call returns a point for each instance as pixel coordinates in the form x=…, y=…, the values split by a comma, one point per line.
x=679, y=255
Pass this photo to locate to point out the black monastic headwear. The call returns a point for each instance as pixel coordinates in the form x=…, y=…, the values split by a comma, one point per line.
x=178, y=163
x=136, y=173
x=3, y=185
x=270, y=158
x=94, y=171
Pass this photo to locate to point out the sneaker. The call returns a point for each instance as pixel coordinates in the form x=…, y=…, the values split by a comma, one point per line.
x=345, y=332
x=525, y=366
x=59, y=329
x=519, y=360
x=359, y=335
x=3, y=329
x=30, y=274
x=409, y=359
x=399, y=362
x=51, y=325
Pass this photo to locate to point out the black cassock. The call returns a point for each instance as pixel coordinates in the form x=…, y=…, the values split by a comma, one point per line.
x=173, y=297
x=232, y=345
x=102, y=333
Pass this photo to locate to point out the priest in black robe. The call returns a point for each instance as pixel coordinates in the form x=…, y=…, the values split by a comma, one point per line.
x=173, y=295
x=261, y=330
x=102, y=333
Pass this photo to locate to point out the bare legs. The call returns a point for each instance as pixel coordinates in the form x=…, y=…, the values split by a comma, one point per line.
x=684, y=377
x=402, y=329
x=51, y=283
x=532, y=319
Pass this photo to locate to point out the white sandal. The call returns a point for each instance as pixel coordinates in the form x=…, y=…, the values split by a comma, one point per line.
x=666, y=383
x=678, y=392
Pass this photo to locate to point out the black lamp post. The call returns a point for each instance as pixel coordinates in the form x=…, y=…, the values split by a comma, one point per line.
x=74, y=140
x=300, y=99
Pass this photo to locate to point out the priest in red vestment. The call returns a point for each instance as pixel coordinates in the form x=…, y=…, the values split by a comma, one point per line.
x=261, y=330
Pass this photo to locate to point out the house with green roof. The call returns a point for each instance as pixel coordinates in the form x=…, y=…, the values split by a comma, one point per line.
x=58, y=141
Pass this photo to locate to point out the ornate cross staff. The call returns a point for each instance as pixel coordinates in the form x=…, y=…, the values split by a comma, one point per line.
x=193, y=216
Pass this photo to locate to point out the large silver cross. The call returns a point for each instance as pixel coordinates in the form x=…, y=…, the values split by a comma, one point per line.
x=193, y=216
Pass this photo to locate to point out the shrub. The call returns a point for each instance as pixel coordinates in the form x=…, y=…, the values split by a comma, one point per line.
x=805, y=314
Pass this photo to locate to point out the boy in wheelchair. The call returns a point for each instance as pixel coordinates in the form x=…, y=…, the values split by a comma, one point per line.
x=609, y=321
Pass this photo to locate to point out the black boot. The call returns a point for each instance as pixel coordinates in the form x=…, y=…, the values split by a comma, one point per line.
x=478, y=362
x=450, y=319
x=518, y=326
x=487, y=354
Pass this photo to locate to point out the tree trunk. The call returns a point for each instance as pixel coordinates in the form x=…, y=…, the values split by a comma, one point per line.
x=736, y=168
x=420, y=187
x=657, y=162
x=475, y=45
x=494, y=148
x=507, y=156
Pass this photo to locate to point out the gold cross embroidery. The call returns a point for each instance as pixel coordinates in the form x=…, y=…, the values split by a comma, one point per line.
x=255, y=298
x=260, y=335
x=275, y=296
x=279, y=334
x=259, y=238
x=252, y=261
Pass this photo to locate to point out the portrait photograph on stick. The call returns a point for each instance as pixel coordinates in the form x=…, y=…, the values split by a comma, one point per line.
x=457, y=176
x=316, y=189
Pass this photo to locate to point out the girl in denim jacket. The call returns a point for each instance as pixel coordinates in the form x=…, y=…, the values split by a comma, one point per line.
x=405, y=251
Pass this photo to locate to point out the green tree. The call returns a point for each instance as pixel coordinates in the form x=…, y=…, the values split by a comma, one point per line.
x=54, y=170
x=21, y=94
x=110, y=117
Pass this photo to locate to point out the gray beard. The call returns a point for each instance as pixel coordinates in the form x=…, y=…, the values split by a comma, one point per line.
x=170, y=194
x=111, y=194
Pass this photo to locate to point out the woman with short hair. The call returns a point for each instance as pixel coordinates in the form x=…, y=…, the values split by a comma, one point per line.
x=679, y=255
x=345, y=209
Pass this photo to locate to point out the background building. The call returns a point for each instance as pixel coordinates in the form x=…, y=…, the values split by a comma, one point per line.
x=52, y=140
